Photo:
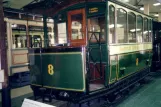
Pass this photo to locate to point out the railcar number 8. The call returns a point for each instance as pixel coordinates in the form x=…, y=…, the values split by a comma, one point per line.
x=50, y=69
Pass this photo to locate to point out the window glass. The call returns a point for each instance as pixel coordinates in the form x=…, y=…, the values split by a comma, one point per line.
x=132, y=27
x=145, y=33
x=150, y=30
x=51, y=36
x=96, y=29
x=77, y=26
x=139, y=29
x=36, y=36
x=19, y=36
x=62, y=37
x=111, y=24
x=121, y=27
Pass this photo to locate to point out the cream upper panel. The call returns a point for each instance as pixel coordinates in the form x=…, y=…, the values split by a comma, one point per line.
x=25, y=22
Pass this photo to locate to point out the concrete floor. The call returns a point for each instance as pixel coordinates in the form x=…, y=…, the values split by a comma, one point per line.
x=146, y=95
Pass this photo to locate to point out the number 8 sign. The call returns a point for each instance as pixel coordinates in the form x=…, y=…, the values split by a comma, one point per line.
x=50, y=69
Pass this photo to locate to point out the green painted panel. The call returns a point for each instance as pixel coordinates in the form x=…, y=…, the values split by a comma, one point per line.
x=127, y=64
x=68, y=71
x=113, y=69
x=130, y=63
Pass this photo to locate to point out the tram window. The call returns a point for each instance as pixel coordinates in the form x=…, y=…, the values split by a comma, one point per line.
x=111, y=24
x=96, y=29
x=150, y=30
x=19, y=36
x=139, y=29
x=132, y=27
x=62, y=37
x=51, y=36
x=77, y=21
x=145, y=33
x=37, y=33
x=121, y=27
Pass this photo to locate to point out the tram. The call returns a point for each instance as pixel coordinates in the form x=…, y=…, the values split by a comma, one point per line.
x=101, y=49
x=22, y=32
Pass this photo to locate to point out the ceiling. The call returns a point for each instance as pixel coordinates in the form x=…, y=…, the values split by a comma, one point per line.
x=140, y=3
x=19, y=4
x=16, y=4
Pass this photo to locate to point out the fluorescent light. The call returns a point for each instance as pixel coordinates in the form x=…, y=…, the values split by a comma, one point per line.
x=14, y=25
x=156, y=4
x=133, y=30
x=118, y=25
x=142, y=8
x=112, y=25
x=124, y=1
x=156, y=15
x=145, y=32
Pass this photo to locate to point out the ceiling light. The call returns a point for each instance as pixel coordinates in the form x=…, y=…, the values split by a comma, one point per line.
x=142, y=8
x=124, y=1
x=133, y=30
x=118, y=26
x=156, y=4
x=14, y=25
x=156, y=15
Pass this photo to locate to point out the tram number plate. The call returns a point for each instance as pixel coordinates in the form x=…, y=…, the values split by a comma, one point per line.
x=31, y=103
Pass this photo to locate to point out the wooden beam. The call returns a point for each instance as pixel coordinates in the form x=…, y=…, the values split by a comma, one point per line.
x=6, y=96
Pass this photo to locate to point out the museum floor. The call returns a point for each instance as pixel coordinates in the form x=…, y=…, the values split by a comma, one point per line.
x=146, y=95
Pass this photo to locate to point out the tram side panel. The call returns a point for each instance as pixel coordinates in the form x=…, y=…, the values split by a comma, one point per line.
x=125, y=64
x=58, y=70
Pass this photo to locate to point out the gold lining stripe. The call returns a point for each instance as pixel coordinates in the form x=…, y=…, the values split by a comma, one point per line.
x=61, y=88
x=66, y=89
x=133, y=73
x=118, y=65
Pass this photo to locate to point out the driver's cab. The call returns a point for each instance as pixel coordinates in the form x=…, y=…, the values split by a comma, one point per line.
x=72, y=31
x=81, y=26
x=85, y=28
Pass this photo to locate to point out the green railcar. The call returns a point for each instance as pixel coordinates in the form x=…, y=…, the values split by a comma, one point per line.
x=101, y=47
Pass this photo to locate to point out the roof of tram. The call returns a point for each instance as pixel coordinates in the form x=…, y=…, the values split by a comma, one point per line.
x=37, y=5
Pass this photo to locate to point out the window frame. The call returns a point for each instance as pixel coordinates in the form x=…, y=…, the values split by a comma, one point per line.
x=12, y=33
x=131, y=12
x=145, y=18
x=124, y=9
x=128, y=10
x=77, y=42
x=142, y=26
x=112, y=5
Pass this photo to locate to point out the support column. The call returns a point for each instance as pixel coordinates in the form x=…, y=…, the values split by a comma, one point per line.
x=146, y=9
x=6, y=96
x=45, y=31
x=159, y=18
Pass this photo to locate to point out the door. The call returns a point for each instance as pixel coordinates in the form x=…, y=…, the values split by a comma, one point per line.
x=77, y=27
